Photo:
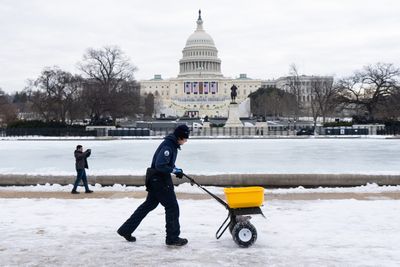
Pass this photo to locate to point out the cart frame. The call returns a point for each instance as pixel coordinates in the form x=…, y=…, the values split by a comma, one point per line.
x=235, y=215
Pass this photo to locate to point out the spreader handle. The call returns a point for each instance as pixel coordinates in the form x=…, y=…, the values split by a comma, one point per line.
x=208, y=192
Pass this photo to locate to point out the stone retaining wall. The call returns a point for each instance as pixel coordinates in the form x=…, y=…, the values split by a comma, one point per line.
x=267, y=180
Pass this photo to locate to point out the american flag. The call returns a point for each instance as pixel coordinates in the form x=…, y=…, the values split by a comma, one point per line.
x=214, y=87
x=206, y=88
x=195, y=88
x=188, y=87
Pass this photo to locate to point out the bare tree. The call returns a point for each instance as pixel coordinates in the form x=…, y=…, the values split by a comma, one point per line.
x=128, y=99
x=38, y=100
x=54, y=92
x=323, y=98
x=8, y=111
x=294, y=85
x=20, y=100
x=369, y=87
x=389, y=109
x=78, y=109
x=271, y=102
x=108, y=71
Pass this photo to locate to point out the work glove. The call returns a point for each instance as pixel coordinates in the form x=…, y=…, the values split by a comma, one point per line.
x=178, y=172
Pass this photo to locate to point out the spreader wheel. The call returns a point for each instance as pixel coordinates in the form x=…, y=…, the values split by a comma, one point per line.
x=235, y=220
x=231, y=226
x=244, y=234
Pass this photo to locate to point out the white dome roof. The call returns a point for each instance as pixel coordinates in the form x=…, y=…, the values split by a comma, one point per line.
x=200, y=56
x=200, y=37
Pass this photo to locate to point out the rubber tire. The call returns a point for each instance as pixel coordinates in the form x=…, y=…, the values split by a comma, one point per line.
x=244, y=234
x=231, y=226
x=234, y=220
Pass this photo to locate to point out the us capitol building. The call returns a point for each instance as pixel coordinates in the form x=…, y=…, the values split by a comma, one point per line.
x=200, y=89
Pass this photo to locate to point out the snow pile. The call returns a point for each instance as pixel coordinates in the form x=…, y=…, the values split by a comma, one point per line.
x=368, y=188
x=187, y=188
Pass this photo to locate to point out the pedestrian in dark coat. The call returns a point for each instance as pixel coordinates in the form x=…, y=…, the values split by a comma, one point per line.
x=161, y=189
x=80, y=165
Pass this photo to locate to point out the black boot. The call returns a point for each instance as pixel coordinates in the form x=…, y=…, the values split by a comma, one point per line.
x=128, y=237
x=74, y=192
x=88, y=191
x=177, y=242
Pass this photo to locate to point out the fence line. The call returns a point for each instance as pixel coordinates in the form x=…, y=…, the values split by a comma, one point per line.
x=205, y=131
x=4, y=132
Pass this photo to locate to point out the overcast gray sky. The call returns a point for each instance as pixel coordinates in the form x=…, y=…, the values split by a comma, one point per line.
x=258, y=37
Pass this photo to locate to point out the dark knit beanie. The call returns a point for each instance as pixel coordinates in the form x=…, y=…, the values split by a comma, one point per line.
x=182, y=131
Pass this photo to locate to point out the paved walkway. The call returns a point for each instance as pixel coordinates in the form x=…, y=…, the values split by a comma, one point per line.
x=142, y=194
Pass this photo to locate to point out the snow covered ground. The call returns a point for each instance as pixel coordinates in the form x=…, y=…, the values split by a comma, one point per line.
x=81, y=232
x=132, y=157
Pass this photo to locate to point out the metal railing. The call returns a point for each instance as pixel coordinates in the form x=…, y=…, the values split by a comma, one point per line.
x=201, y=132
x=15, y=132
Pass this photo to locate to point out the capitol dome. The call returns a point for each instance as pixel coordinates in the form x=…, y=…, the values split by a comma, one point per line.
x=200, y=56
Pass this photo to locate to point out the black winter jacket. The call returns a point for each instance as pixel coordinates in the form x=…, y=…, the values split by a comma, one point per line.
x=81, y=159
x=165, y=155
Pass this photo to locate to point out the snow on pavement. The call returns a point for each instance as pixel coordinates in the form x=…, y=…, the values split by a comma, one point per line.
x=187, y=188
x=59, y=232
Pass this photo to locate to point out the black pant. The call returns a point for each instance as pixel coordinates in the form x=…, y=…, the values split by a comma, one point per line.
x=160, y=190
x=81, y=175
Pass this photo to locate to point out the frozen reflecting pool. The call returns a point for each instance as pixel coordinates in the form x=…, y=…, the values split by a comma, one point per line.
x=124, y=157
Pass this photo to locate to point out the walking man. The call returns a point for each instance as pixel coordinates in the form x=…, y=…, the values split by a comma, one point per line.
x=81, y=164
x=161, y=189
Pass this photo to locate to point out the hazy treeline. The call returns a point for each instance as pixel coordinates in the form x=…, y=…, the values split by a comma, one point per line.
x=104, y=88
x=369, y=94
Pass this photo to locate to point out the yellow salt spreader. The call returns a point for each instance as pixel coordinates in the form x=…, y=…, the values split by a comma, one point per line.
x=242, y=201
